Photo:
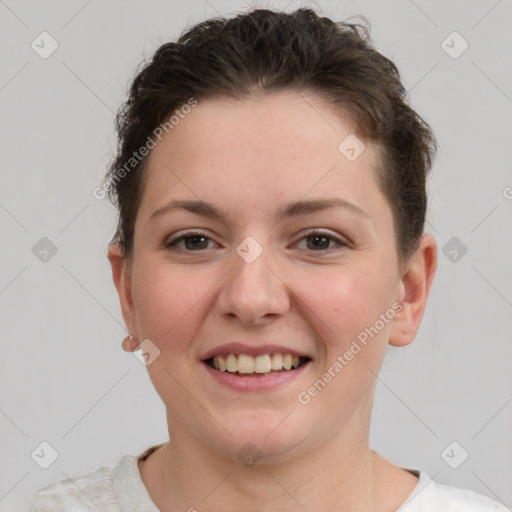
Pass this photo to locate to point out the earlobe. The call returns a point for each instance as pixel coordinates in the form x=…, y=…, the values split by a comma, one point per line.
x=414, y=288
x=122, y=281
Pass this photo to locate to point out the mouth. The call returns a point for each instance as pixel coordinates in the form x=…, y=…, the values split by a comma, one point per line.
x=245, y=365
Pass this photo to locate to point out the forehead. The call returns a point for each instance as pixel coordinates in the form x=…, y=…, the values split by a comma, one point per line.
x=258, y=150
x=279, y=123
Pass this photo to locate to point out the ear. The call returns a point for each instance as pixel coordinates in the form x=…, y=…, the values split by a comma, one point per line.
x=122, y=279
x=414, y=288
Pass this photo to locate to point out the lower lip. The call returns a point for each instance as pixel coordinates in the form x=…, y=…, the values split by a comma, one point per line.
x=266, y=382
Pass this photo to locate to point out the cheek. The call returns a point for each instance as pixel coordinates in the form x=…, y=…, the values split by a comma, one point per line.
x=347, y=303
x=340, y=305
x=345, y=299
x=169, y=306
x=167, y=301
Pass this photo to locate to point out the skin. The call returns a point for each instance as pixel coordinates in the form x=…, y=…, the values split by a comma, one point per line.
x=250, y=158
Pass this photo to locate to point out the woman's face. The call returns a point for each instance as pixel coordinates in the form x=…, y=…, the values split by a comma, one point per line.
x=258, y=276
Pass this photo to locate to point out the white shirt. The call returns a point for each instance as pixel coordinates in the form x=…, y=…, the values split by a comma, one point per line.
x=119, y=488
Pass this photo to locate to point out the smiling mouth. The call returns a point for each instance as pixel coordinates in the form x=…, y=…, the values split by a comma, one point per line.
x=245, y=365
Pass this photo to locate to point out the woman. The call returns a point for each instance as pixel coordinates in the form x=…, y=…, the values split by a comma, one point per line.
x=270, y=181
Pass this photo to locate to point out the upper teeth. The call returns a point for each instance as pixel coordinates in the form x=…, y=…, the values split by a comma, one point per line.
x=244, y=363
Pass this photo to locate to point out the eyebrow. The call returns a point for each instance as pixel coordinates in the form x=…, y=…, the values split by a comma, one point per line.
x=295, y=209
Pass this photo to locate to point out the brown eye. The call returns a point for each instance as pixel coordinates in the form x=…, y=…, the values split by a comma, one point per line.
x=195, y=242
x=320, y=241
x=191, y=242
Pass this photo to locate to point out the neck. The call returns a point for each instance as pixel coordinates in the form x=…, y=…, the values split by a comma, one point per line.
x=340, y=475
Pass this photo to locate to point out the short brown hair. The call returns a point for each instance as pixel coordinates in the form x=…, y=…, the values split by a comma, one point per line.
x=267, y=51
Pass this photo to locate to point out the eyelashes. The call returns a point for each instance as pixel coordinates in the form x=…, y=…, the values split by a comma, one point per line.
x=199, y=242
x=319, y=234
x=173, y=243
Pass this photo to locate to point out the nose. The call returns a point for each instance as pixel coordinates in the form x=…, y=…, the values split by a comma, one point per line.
x=253, y=291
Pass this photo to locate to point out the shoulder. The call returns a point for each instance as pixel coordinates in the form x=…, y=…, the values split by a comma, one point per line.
x=432, y=496
x=89, y=491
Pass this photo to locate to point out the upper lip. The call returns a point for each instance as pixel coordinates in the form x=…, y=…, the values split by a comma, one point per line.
x=252, y=350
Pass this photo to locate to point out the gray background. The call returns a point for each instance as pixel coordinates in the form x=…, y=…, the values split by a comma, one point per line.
x=65, y=379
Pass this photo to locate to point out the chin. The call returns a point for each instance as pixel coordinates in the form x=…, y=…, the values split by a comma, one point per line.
x=261, y=437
